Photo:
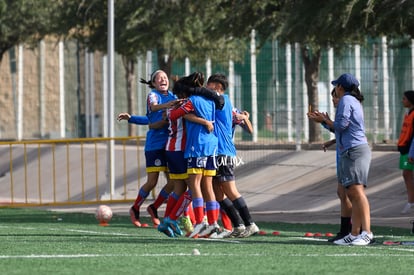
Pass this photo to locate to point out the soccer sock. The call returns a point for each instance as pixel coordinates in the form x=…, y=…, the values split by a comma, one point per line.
x=171, y=202
x=181, y=205
x=228, y=207
x=212, y=210
x=244, y=212
x=225, y=220
x=142, y=195
x=190, y=212
x=198, y=207
x=346, y=225
x=162, y=196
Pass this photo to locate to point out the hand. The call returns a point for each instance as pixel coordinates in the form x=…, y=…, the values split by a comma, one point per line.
x=246, y=113
x=316, y=116
x=173, y=103
x=209, y=125
x=123, y=116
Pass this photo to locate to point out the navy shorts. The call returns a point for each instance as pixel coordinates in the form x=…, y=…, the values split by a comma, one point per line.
x=177, y=165
x=156, y=160
x=225, y=168
x=201, y=165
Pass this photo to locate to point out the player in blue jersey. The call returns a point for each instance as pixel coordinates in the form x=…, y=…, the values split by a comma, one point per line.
x=231, y=201
x=200, y=149
x=158, y=100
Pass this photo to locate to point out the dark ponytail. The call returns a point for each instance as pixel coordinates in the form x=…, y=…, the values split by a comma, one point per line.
x=355, y=92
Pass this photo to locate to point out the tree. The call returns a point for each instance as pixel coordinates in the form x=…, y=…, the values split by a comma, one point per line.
x=318, y=25
x=24, y=21
x=174, y=29
x=315, y=25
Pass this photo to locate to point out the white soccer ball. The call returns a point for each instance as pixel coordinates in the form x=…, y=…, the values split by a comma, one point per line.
x=103, y=213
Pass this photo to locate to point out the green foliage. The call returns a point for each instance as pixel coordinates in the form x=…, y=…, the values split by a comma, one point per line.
x=24, y=21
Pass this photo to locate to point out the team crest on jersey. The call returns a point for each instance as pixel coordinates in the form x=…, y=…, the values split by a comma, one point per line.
x=157, y=162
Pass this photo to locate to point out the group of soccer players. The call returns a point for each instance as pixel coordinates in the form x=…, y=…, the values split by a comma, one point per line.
x=191, y=137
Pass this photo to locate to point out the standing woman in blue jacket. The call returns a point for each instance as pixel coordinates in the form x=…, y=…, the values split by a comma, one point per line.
x=355, y=156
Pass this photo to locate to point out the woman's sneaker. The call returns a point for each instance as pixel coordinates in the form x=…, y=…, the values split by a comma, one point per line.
x=197, y=229
x=251, y=229
x=164, y=228
x=173, y=225
x=134, y=215
x=224, y=233
x=347, y=240
x=338, y=236
x=364, y=238
x=209, y=230
x=237, y=231
x=187, y=225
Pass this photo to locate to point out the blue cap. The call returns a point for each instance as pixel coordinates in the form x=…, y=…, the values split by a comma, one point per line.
x=347, y=81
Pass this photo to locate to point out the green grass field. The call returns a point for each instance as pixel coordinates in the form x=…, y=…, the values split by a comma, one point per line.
x=41, y=242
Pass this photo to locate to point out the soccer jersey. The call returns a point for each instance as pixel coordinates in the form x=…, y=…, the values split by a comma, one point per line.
x=223, y=129
x=157, y=138
x=176, y=134
x=200, y=142
x=406, y=134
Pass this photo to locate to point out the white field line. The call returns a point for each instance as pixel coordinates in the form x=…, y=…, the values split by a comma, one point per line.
x=31, y=256
x=70, y=256
x=71, y=230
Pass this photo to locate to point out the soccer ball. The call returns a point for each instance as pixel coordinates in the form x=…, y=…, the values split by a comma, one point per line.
x=103, y=214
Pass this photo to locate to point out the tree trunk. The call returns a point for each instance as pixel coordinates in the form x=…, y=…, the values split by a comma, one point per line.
x=129, y=66
x=165, y=61
x=312, y=62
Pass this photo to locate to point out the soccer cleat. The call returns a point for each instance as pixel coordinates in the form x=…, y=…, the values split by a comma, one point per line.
x=338, y=236
x=154, y=214
x=406, y=208
x=209, y=230
x=251, y=229
x=134, y=214
x=187, y=224
x=364, y=238
x=224, y=233
x=172, y=224
x=237, y=231
x=197, y=229
x=347, y=240
x=164, y=228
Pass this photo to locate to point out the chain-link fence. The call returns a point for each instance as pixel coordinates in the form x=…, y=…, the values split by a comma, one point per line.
x=58, y=90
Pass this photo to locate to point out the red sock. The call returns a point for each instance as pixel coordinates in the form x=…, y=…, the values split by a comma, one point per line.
x=171, y=202
x=162, y=197
x=190, y=212
x=142, y=195
x=212, y=211
x=225, y=220
x=180, y=206
x=198, y=214
x=138, y=201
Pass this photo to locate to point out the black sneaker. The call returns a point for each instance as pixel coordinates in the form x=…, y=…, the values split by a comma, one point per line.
x=338, y=236
x=412, y=230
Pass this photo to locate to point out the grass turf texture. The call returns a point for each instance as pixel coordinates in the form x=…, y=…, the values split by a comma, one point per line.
x=41, y=242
